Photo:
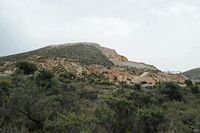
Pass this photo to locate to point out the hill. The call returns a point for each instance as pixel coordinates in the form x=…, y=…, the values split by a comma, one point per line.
x=84, y=53
x=193, y=74
x=58, y=89
x=92, y=59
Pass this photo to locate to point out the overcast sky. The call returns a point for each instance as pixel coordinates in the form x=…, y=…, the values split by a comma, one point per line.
x=164, y=33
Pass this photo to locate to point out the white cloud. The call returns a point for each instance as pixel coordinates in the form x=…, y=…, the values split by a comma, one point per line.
x=110, y=26
x=175, y=8
x=178, y=8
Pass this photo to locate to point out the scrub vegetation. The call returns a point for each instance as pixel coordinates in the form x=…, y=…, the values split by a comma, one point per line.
x=33, y=101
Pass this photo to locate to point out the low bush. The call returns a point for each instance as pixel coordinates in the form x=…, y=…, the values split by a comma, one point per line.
x=195, y=89
x=45, y=78
x=88, y=94
x=137, y=87
x=26, y=67
x=4, y=85
x=68, y=75
x=108, y=83
x=148, y=120
x=172, y=90
x=188, y=83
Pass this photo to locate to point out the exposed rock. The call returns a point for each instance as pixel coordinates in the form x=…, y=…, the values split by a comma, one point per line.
x=123, y=61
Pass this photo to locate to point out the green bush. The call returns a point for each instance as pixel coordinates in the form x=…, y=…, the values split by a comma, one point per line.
x=118, y=91
x=72, y=123
x=148, y=120
x=142, y=98
x=105, y=119
x=26, y=67
x=188, y=83
x=195, y=89
x=4, y=85
x=104, y=82
x=88, y=94
x=172, y=90
x=45, y=78
x=124, y=111
x=137, y=87
x=45, y=75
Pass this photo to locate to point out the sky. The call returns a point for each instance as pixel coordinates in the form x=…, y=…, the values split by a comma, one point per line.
x=163, y=33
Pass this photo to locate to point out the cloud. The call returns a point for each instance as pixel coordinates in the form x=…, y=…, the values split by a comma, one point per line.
x=110, y=26
x=174, y=9
x=178, y=8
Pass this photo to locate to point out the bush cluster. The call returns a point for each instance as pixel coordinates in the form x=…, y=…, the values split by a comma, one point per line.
x=26, y=67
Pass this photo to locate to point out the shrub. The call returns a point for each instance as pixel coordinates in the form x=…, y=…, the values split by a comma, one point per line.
x=26, y=67
x=148, y=120
x=172, y=90
x=105, y=119
x=44, y=78
x=118, y=91
x=137, y=86
x=45, y=75
x=197, y=83
x=68, y=75
x=4, y=85
x=104, y=82
x=88, y=94
x=143, y=98
x=195, y=89
x=188, y=83
x=72, y=123
x=124, y=111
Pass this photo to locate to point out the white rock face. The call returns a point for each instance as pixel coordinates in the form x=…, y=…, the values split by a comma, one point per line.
x=122, y=61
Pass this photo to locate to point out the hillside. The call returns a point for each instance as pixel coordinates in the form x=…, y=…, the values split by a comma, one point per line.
x=83, y=53
x=35, y=100
x=92, y=59
x=193, y=74
x=86, y=88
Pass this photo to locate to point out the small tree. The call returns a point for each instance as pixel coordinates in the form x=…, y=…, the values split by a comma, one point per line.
x=26, y=67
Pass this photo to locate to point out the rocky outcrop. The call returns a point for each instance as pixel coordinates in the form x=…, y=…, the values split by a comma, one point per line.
x=123, y=61
x=112, y=54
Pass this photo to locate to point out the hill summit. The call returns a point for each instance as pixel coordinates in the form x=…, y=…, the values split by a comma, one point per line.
x=90, y=58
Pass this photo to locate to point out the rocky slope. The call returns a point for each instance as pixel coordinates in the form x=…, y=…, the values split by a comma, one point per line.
x=92, y=59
